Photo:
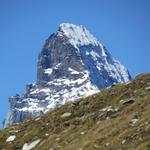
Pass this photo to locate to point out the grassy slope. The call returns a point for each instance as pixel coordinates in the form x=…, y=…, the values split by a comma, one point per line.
x=90, y=127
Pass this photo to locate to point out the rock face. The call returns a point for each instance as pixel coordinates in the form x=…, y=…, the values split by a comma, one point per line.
x=71, y=65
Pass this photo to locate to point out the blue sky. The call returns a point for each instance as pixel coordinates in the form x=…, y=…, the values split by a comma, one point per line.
x=123, y=26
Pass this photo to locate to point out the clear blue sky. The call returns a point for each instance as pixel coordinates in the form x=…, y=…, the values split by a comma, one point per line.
x=123, y=26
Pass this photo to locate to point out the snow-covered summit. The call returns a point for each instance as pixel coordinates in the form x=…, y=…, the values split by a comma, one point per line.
x=72, y=64
x=78, y=35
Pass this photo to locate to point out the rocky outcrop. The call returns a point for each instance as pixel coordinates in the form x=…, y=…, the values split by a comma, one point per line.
x=72, y=64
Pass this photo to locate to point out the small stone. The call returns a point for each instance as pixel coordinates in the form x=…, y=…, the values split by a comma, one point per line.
x=128, y=101
x=11, y=138
x=123, y=141
x=96, y=146
x=82, y=133
x=107, y=118
x=116, y=109
x=46, y=134
x=66, y=143
x=98, y=122
x=148, y=83
x=67, y=114
x=135, y=91
x=146, y=122
x=107, y=144
x=57, y=139
x=134, y=121
x=14, y=131
x=109, y=108
x=29, y=146
x=147, y=88
x=37, y=119
x=51, y=148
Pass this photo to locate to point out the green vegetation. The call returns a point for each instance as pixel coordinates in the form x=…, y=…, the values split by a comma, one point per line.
x=117, y=118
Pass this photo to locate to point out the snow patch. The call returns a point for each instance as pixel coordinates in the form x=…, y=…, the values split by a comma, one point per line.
x=36, y=91
x=32, y=105
x=57, y=66
x=94, y=55
x=48, y=71
x=73, y=71
x=78, y=35
x=103, y=50
x=123, y=71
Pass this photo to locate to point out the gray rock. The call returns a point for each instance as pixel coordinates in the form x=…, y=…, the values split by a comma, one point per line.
x=127, y=101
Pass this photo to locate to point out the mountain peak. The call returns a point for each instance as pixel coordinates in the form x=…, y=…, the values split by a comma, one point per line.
x=72, y=64
x=78, y=35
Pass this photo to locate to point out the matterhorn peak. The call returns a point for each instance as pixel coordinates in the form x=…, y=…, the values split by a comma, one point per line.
x=78, y=35
x=72, y=64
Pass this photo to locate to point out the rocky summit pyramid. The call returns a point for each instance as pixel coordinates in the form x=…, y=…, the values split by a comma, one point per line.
x=72, y=64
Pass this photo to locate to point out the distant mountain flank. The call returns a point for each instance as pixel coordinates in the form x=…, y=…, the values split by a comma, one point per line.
x=72, y=64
